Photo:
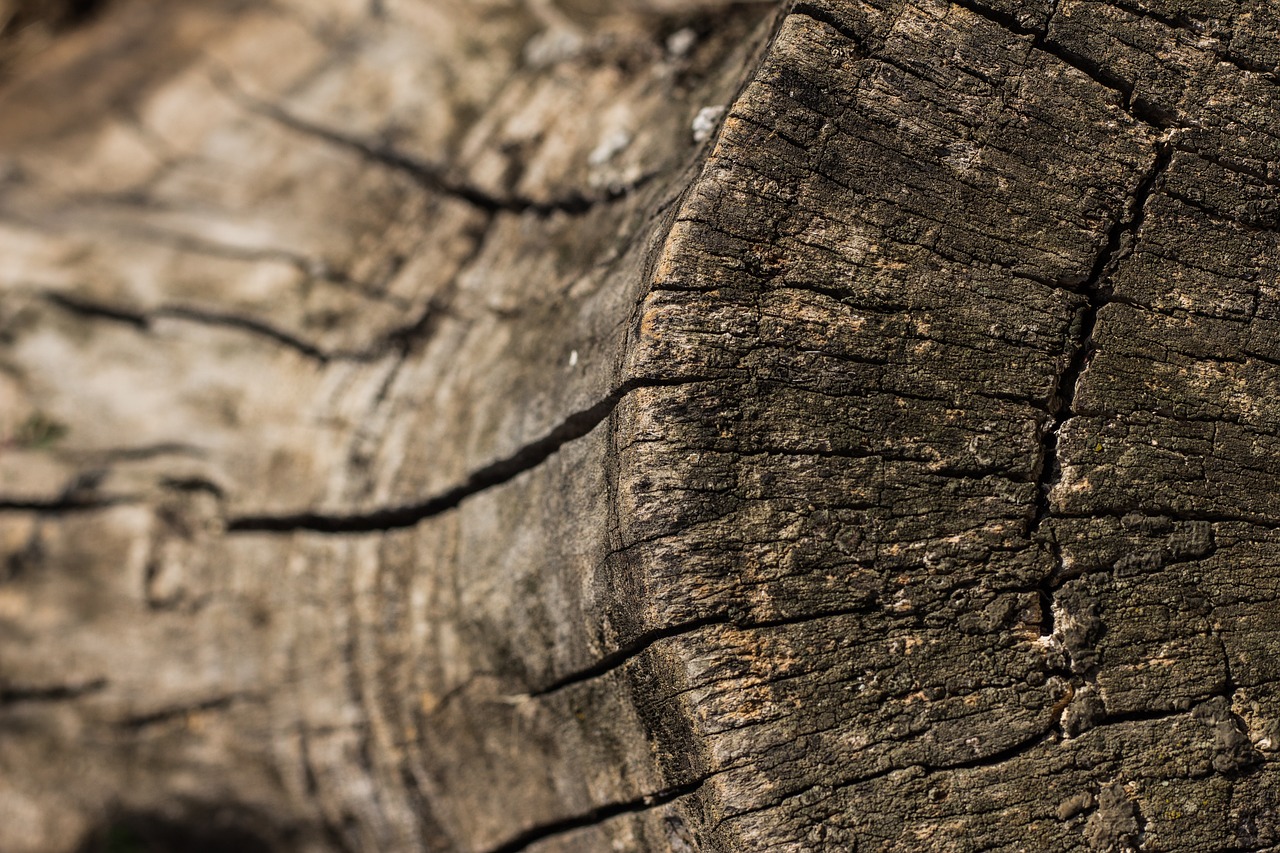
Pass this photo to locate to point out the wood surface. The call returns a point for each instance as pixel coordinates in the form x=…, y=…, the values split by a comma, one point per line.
x=489, y=426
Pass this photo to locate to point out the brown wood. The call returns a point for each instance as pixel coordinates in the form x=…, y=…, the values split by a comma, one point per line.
x=417, y=438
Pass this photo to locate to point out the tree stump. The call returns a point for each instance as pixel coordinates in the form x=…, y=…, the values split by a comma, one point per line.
x=489, y=426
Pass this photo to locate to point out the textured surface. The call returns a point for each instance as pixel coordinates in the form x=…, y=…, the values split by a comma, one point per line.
x=417, y=440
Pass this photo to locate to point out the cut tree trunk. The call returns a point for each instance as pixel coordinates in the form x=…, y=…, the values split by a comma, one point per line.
x=474, y=425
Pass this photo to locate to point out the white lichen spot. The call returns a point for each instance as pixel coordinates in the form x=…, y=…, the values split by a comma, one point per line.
x=855, y=740
x=552, y=46
x=573, y=358
x=706, y=122
x=962, y=156
x=613, y=144
x=681, y=42
x=902, y=603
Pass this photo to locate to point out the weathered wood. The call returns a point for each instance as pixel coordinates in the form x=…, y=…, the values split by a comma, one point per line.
x=419, y=440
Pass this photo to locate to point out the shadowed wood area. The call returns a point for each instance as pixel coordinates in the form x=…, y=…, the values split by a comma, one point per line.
x=568, y=425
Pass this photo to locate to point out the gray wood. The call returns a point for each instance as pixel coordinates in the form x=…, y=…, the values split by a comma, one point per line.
x=418, y=438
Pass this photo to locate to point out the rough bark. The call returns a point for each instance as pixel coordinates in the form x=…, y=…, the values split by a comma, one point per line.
x=418, y=440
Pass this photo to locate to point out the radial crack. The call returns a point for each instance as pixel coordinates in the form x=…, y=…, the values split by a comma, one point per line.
x=311, y=267
x=994, y=759
x=593, y=817
x=396, y=339
x=164, y=715
x=825, y=16
x=1120, y=241
x=495, y=473
x=12, y=695
x=1136, y=106
x=639, y=646
x=63, y=505
x=89, y=309
x=1181, y=20
x=136, y=454
x=433, y=176
x=247, y=324
x=610, y=662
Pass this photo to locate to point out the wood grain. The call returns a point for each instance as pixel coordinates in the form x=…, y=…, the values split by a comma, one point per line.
x=416, y=440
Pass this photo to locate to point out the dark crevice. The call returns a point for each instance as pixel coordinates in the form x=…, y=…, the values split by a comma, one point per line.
x=398, y=339
x=1181, y=20
x=992, y=760
x=164, y=715
x=1045, y=592
x=432, y=176
x=999, y=757
x=825, y=16
x=806, y=618
x=1137, y=106
x=1230, y=687
x=1249, y=65
x=1142, y=716
x=64, y=505
x=98, y=311
x=1215, y=215
x=191, y=485
x=641, y=644
x=12, y=695
x=1179, y=515
x=402, y=338
x=1120, y=241
x=1229, y=164
x=593, y=817
x=55, y=16
x=636, y=647
x=312, y=268
x=845, y=296
x=496, y=473
x=1178, y=21
x=141, y=453
x=453, y=694
x=1179, y=312
x=246, y=324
